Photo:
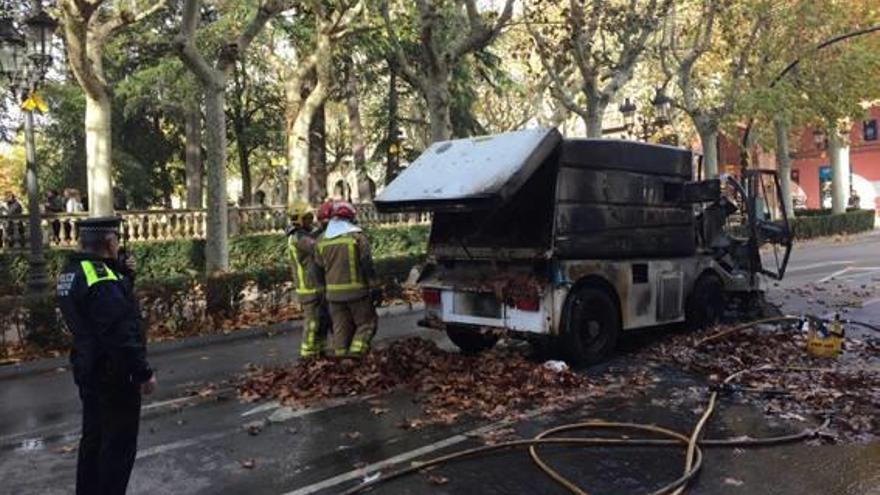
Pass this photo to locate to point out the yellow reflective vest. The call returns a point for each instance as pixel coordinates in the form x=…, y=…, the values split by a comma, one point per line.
x=306, y=278
x=347, y=266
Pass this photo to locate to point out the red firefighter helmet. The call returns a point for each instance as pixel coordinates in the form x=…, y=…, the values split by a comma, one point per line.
x=325, y=211
x=344, y=209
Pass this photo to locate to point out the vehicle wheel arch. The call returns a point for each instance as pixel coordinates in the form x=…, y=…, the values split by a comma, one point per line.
x=596, y=282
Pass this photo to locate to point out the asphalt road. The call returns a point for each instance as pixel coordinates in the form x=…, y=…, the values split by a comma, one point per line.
x=192, y=443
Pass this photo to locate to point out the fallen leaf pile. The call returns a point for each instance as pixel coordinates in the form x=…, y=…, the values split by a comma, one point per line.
x=496, y=384
x=847, y=388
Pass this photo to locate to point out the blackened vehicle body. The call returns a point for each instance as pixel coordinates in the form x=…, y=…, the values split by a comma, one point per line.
x=568, y=242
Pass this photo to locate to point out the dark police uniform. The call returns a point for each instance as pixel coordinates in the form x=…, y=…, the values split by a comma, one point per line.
x=109, y=363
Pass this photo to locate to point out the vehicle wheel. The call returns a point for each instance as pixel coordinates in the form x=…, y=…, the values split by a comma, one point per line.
x=470, y=340
x=705, y=306
x=591, y=325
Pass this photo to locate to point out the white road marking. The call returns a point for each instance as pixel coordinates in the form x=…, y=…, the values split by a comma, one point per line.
x=41, y=431
x=182, y=400
x=189, y=442
x=859, y=272
x=833, y=275
x=360, y=473
x=208, y=437
x=391, y=461
x=815, y=265
x=261, y=408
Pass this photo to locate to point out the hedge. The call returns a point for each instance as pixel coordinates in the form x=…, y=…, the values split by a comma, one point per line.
x=184, y=259
x=182, y=306
x=851, y=222
x=818, y=212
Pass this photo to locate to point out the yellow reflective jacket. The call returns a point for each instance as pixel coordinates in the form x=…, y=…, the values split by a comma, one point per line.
x=347, y=266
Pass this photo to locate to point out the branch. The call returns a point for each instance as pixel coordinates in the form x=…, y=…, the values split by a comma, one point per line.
x=76, y=17
x=427, y=19
x=234, y=50
x=582, y=42
x=634, y=47
x=186, y=49
x=398, y=52
x=480, y=35
x=124, y=18
x=740, y=66
x=558, y=88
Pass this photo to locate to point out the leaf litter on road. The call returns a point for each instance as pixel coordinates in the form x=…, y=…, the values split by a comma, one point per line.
x=496, y=384
x=797, y=386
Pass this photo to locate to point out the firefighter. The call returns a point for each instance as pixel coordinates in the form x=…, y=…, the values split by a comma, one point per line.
x=309, y=286
x=96, y=296
x=344, y=255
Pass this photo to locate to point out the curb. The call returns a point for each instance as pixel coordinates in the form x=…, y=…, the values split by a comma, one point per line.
x=47, y=365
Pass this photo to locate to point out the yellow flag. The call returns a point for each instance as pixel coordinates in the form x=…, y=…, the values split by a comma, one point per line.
x=34, y=102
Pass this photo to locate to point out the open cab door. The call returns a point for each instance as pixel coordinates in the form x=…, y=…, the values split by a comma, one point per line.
x=767, y=221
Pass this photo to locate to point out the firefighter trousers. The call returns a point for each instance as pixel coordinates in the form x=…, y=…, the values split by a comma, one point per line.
x=316, y=327
x=354, y=325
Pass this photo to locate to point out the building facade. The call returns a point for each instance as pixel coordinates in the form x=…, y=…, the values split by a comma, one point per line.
x=811, y=164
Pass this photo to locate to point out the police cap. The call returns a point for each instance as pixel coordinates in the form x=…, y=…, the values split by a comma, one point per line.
x=97, y=227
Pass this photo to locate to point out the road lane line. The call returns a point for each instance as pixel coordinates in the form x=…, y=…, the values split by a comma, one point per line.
x=859, y=272
x=41, y=431
x=261, y=408
x=816, y=265
x=391, y=461
x=208, y=437
x=833, y=275
x=188, y=398
x=180, y=444
x=360, y=473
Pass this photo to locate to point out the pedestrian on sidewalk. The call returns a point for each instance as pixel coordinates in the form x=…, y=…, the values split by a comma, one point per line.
x=344, y=255
x=96, y=295
x=308, y=282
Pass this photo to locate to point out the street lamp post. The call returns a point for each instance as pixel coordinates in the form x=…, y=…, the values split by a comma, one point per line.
x=24, y=61
x=647, y=127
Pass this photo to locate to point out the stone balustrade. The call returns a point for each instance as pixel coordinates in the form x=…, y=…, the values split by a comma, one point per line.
x=165, y=225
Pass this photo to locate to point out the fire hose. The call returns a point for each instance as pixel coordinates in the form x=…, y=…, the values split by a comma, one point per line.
x=692, y=442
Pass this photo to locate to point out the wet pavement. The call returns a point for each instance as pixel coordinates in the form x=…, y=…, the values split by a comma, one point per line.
x=202, y=443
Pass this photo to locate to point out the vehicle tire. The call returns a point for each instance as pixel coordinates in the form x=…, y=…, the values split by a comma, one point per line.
x=470, y=339
x=705, y=305
x=591, y=325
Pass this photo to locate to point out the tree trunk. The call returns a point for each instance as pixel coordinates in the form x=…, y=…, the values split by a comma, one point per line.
x=98, y=155
x=839, y=153
x=709, y=141
x=194, y=168
x=216, y=254
x=318, y=156
x=244, y=163
x=783, y=166
x=437, y=99
x=593, y=119
x=298, y=158
x=392, y=160
x=298, y=147
x=358, y=142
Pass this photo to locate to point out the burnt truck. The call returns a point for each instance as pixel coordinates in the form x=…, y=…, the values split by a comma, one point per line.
x=569, y=242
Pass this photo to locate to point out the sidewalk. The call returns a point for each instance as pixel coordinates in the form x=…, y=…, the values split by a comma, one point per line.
x=38, y=366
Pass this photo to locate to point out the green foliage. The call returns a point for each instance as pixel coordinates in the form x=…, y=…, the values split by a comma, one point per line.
x=816, y=212
x=852, y=222
x=260, y=258
x=44, y=326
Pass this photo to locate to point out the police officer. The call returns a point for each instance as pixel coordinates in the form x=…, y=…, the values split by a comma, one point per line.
x=344, y=255
x=95, y=293
x=309, y=286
